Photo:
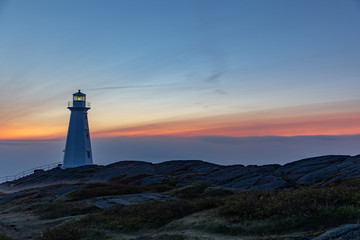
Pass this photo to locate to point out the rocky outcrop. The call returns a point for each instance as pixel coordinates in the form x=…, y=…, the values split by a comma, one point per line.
x=344, y=232
x=311, y=170
x=318, y=170
x=109, y=201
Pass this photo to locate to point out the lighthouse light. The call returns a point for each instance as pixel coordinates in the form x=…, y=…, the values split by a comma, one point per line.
x=79, y=98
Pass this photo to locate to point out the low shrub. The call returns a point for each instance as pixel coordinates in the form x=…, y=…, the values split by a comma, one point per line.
x=305, y=208
x=104, y=189
x=191, y=191
x=217, y=191
x=249, y=213
x=73, y=230
x=148, y=215
x=53, y=210
x=3, y=236
x=169, y=237
x=300, y=202
x=108, y=189
x=131, y=218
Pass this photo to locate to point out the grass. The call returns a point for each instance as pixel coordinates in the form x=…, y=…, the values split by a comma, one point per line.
x=264, y=213
x=170, y=237
x=113, y=188
x=73, y=232
x=127, y=218
x=148, y=215
x=274, y=204
x=3, y=236
x=305, y=208
x=52, y=210
x=192, y=191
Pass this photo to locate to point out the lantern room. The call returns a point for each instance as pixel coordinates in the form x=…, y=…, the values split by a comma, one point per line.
x=79, y=96
x=79, y=101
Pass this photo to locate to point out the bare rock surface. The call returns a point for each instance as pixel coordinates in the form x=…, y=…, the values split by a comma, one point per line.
x=321, y=170
x=130, y=199
x=344, y=232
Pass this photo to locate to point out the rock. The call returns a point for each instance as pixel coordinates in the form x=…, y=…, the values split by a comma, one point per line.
x=245, y=182
x=226, y=174
x=185, y=166
x=183, y=184
x=297, y=238
x=297, y=169
x=344, y=232
x=324, y=169
x=270, y=182
x=318, y=175
x=143, y=238
x=129, y=199
x=125, y=168
x=56, y=191
x=150, y=180
x=8, y=198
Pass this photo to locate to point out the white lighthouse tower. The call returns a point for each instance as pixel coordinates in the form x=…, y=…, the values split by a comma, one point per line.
x=78, y=146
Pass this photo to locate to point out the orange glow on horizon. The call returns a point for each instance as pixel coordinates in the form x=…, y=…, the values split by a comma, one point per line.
x=275, y=122
x=324, y=124
x=28, y=133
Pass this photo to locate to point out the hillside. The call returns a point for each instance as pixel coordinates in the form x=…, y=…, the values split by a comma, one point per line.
x=324, y=170
x=189, y=199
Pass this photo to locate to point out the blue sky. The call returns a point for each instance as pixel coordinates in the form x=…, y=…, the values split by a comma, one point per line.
x=259, y=52
x=182, y=68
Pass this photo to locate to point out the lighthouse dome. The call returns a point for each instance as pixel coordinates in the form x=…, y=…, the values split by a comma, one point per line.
x=79, y=93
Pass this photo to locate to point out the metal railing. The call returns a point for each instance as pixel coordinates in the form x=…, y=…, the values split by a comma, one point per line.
x=79, y=104
x=29, y=172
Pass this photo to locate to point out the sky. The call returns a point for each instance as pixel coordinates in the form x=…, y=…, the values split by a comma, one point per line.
x=226, y=81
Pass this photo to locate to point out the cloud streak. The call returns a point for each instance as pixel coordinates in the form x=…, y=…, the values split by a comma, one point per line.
x=317, y=119
x=215, y=77
x=209, y=46
x=128, y=87
x=220, y=92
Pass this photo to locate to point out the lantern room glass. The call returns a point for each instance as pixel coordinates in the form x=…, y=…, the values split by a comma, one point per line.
x=79, y=98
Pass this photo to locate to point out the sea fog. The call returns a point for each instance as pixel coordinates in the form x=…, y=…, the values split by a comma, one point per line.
x=19, y=155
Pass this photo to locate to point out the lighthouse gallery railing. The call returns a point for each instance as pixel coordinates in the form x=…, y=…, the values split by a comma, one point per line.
x=71, y=104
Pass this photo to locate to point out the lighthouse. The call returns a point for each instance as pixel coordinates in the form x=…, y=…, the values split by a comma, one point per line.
x=78, y=146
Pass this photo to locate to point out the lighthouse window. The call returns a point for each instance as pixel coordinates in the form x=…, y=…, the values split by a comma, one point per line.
x=87, y=134
x=88, y=154
x=79, y=98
